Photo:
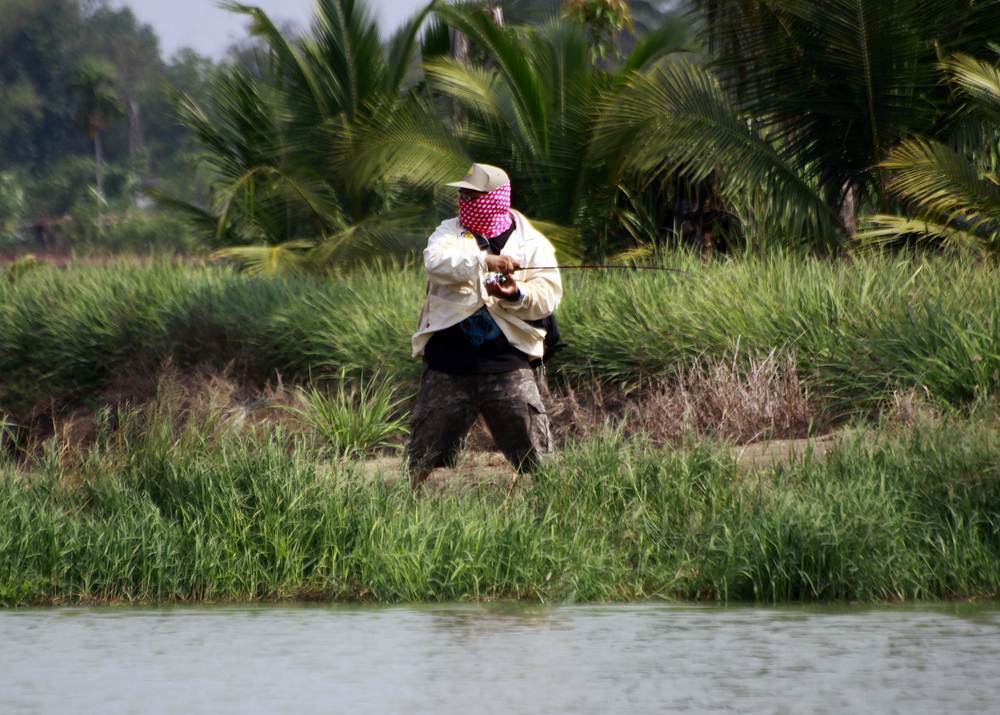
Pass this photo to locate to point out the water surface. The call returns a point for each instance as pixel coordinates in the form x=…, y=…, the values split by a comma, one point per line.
x=501, y=659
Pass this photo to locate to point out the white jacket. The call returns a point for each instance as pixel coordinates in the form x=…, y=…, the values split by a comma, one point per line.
x=456, y=267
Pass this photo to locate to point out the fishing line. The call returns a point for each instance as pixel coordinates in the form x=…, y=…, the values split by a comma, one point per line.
x=605, y=267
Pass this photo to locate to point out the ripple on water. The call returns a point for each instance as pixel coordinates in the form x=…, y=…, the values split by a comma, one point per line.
x=502, y=658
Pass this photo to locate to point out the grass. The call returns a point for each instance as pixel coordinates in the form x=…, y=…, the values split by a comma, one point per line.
x=352, y=420
x=165, y=508
x=859, y=330
x=195, y=496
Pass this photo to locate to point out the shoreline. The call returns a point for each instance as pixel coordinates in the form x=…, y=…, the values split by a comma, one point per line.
x=887, y=515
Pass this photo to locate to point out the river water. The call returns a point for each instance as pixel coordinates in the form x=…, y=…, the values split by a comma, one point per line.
x=501, y=659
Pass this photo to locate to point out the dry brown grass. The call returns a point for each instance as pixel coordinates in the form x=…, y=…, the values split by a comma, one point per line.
x=736, y=400
x=212, y=402
x=904, y=409
x=740, y=401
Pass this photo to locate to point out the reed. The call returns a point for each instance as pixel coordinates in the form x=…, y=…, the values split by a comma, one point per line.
x=164, y=509
x=859, y=330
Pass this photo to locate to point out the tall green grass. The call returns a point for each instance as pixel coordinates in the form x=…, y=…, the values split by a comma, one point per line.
x=859, y=329
x=352, y=420
x=167, y=513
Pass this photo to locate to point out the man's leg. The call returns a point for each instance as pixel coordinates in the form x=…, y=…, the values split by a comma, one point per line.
x=515, y=413
x=444, y=412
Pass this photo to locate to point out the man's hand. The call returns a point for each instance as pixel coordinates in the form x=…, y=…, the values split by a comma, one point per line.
x=502, y=264
x=507, y=290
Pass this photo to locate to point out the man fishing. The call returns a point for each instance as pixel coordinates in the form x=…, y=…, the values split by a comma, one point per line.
x=476, y=335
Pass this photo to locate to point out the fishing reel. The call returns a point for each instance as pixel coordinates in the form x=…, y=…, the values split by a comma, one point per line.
x=497, y=279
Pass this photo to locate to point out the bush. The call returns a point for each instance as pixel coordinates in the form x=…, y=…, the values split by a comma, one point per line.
x=134, y=232
x=13, y=207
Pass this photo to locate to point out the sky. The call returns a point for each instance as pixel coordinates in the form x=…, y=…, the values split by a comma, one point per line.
x=200, y=24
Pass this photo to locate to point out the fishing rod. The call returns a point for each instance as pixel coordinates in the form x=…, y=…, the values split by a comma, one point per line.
x=605, y=267
x=501, y=278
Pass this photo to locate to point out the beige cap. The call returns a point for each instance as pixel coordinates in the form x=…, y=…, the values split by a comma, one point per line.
x=483, y=177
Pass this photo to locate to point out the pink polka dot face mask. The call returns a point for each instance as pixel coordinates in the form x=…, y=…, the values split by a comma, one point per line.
x=486, y=214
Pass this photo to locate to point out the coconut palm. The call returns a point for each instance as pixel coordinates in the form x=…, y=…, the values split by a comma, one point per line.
x=952, y=188
x=93, y=83
x=281, y=145
x=803, y=102
x=532, y=108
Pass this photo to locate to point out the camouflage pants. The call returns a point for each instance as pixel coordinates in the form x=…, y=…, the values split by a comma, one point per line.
x=447, y=406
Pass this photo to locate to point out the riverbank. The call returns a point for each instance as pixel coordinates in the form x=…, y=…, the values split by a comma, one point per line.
x=163, y=510
x=180, y=433
x=856, y=332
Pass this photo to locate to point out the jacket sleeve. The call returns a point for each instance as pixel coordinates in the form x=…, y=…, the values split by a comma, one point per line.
x=451, y=258
x=541, y=290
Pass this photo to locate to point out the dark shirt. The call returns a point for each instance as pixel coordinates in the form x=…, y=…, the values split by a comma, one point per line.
x=476, y=346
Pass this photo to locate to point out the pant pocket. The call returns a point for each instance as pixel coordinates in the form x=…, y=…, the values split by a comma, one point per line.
x=541, y=430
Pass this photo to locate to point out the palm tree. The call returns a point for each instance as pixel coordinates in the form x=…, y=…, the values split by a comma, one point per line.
x=953, y=188
x=532, y=108
x=802, y=103
x=282, y=145
x=94, y=85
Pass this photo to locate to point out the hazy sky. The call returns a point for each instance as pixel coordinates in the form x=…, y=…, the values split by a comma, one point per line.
x=202, y=25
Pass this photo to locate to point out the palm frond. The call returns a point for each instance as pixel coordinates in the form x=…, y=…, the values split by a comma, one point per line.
x=290, y=61
x=507, y=48
x=886, y=229
x=406, y=142
x=402, y=48
x=978, y=80
x=391, y=232
x=472, y=87
x=565, y=239
x=672, y=36
x=201, y=219
x=939, y=182
x=347, y=51
x=838, y=82
x=678, y=118
x=282, y=260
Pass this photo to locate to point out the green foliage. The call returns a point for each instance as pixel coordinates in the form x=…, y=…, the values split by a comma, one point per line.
x=816, y=93
x=605, y=19
x=12, y=206
x=531, y=107
x=688, y=125
x=38, y=49
x=356, y=419
x=136, y=233
x=94, y=85
x=860, y=330
x=175, y=513
x=55, y=53
x=21, y=266
x=952, y=190
x=281, y=146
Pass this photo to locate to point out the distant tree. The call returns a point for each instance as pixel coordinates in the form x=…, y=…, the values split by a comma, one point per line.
x=39, y=47
x=133, y=48
x=94, y=86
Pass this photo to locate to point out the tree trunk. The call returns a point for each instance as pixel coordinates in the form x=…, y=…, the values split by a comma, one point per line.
x=849, y=212
x=98, y=157
x=459, y=47
x=460, y=51
x=496, y=12
x=135, y=142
